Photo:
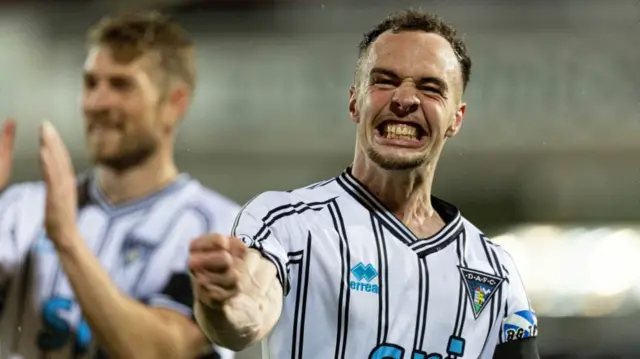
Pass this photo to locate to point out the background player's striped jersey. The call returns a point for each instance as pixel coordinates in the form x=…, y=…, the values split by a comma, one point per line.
x=359, y=284
x=142, y=244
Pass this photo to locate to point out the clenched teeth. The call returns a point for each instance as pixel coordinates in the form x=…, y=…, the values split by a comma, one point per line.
x=399, y=131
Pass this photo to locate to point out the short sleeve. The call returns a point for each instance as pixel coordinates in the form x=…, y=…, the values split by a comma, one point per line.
x=255, y=226
x=519, y=324
x=176, y=293
x=198, y=219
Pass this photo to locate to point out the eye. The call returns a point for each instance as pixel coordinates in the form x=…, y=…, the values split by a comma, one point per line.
x=384, y=82
x=121, y=84
x=431, y=89
x=89, y=82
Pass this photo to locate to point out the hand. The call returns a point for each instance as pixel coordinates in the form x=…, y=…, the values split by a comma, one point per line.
x=7, y=139
x=217, y=264
x=61, y=200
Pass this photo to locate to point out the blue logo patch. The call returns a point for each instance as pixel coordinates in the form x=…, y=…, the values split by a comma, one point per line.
x=363, y=275
x=520, y=325
x=43, y=244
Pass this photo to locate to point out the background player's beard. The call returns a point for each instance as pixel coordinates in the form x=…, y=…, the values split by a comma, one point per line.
x=130, y=155
x=394, y=164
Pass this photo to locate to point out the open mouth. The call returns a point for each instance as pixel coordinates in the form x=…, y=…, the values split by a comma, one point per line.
x=396, y=130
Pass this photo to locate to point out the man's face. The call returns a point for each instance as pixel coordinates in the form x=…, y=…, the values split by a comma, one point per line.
x=406, y=100
x=122, y=109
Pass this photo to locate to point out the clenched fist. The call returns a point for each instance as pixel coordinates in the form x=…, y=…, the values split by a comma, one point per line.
x=217, y=263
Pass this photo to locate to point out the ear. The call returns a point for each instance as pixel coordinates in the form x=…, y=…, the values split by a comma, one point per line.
x=353, y=105
x=457, y=121
x=179, y=99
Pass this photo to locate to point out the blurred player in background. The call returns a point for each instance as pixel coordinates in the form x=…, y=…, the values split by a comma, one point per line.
x=96, y=265
x=369, y=264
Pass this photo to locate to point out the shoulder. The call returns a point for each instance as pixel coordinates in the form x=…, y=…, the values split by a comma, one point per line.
x=265, y=203
x=212, y=199
x=495, y=253
x=284, y=215
x=296, y=201
x=211, y=206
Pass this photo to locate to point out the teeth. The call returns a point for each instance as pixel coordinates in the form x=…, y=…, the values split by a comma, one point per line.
x=396, y=130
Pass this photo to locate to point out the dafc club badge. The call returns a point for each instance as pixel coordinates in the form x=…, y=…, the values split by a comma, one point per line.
x=480, y=288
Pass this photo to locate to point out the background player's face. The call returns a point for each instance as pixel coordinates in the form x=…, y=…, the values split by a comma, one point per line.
x=126, y=118
x=407, y=99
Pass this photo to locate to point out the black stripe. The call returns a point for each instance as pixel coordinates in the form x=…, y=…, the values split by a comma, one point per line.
x=281, y=270
x=383, y=278
x=321, y=183
x=267, y=219
x=360, y=195
x=423, y=303
x=427, y=292
x=240, y=212
x=345, y=289
x=462, y=243
x=416, y=333
x=285, y=211
x=461, y=313
x=504, y=269
x=264, y=232
x=450, y=230
x=423, y=247
x=461, y=295
x=500, y=273
x=495, y=311
x=297, y=339
x=451, y=235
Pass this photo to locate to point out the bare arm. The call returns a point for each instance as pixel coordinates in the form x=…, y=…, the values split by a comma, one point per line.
x=124, y=327
x=249, y=316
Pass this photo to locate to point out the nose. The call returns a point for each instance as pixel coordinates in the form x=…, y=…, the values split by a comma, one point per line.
x=98, y=98
x=405, y=100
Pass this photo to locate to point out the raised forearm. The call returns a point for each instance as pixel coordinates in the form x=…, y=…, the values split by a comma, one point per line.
x=122, y=326
x=249, y=316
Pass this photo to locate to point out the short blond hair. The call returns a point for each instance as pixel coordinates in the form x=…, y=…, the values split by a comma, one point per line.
x=131, y=36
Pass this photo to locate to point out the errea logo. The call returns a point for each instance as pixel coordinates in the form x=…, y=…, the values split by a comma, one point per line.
x=362, y=275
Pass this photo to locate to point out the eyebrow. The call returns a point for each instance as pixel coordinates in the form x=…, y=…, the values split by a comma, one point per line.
x=421, y=81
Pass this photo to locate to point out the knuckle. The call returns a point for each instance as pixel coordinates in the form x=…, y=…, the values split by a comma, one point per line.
x=217, y=237
x=218, y=261
x=226, y=260
x=193, y=262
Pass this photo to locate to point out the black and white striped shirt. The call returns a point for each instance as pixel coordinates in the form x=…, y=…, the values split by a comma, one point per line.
x=360, y=284
x=143, y=245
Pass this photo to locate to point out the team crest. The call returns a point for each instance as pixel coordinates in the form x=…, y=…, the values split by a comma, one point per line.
x=134, y=249
x=480, y=288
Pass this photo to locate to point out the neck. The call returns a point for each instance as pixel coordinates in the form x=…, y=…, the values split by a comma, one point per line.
x=405, y=193
x=139, y=181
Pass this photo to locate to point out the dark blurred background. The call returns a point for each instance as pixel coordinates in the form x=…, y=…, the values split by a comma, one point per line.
x=547, y=161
